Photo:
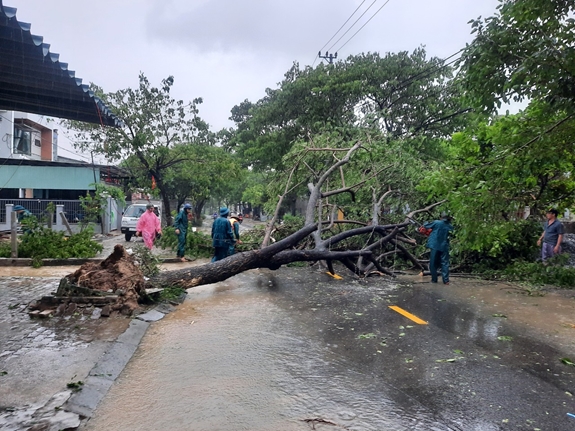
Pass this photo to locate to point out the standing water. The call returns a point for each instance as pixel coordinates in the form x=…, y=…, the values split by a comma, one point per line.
x=235, y=356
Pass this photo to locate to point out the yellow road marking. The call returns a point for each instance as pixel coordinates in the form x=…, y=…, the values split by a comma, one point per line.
x=337, y=277
x=408, y=314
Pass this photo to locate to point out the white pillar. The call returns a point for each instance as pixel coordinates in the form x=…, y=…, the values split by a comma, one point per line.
x=59, y=224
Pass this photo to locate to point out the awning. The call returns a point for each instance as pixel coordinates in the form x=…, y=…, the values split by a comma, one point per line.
x=43, y=174
x=32, y=79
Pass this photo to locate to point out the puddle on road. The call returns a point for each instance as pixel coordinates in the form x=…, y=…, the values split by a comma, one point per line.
x=551, y=316
x=231, y=359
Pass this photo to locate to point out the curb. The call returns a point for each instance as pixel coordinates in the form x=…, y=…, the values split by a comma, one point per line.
x=69, y=409
x=108, y=368
x=8, y=261
x=106, y=371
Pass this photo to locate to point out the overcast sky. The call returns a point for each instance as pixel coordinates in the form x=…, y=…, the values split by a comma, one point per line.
x=226, y=51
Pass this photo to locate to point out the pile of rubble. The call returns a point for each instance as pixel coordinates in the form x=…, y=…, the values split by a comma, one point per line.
x=112, y=286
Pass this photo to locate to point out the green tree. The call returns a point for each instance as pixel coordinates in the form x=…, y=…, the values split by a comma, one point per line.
x=94, y=204
x=497, y=169
x=205, y=172
x=402, y=95
x=154, y=123
x=525, y=51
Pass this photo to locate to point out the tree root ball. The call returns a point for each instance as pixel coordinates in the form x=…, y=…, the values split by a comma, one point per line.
x=118, y=273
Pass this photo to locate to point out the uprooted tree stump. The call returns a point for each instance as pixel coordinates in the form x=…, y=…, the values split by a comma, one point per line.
x=114, y=285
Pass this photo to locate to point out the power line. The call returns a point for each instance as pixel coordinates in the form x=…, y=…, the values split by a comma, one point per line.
x=72, y=152
x=354, y=23
x=428, y=71
x=373, y=16
x=14, y=173
x=343, y=25
x=335, y=34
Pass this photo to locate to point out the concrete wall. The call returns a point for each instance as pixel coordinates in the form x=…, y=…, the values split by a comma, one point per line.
x=6, y=132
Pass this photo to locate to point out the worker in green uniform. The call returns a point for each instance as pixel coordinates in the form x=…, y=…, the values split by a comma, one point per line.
x=181, y=225
x=438, y=242
x=222, y=235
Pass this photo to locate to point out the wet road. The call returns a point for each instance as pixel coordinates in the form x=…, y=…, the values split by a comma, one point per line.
x=297, y=350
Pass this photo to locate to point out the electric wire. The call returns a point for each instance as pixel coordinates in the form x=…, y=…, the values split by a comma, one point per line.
x=354, y=23
x=14, y=173
x=428, y=71
x=335, y=34
x=367, y=22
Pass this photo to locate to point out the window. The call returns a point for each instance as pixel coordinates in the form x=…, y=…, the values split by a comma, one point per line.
x=23, y=139
x=135, y=210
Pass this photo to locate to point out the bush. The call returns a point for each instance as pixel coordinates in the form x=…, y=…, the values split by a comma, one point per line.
x=198, y=244
x=551, y=272
x=43, y=243
x=147, y=262
x=5, y=249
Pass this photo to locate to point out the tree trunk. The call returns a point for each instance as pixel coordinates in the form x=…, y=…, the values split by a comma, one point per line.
x=198, y=209
x=238, y=263
x=165, y=202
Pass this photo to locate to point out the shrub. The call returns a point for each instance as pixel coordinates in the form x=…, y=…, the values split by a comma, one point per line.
x=198, y=244
x=551, y=272
x=5, y=249
x=147, y=262
x=44, y=243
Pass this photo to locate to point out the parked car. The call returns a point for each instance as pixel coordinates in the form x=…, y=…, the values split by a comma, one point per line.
x=131, y=215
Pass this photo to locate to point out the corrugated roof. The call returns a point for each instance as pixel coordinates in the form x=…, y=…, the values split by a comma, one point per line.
x=32, y=78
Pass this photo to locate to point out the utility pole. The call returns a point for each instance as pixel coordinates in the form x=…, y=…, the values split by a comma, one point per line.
x=329, y=57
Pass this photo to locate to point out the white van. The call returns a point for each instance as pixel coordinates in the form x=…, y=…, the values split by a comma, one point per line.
x=131, y=215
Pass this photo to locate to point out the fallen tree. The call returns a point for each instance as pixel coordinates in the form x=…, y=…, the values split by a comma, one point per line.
x=319, y=220
x=314, y=242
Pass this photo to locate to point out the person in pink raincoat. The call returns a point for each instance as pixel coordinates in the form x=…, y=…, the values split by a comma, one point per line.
x=148, y=226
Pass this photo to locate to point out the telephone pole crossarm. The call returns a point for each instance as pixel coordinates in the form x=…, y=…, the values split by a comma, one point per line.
x=329, y=57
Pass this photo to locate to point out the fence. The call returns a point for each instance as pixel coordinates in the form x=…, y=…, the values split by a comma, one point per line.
x=71, y=208
x=38, y=207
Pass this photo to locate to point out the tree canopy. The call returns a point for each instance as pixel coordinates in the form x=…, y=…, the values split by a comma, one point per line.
x=525, y=51
x=373, y=136
x=402, y=95
x=154, y=125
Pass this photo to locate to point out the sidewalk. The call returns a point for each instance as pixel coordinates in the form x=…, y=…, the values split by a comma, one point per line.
x=41, y=358
x=43, y=362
